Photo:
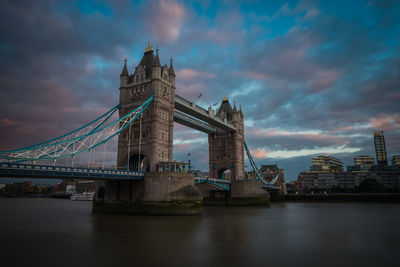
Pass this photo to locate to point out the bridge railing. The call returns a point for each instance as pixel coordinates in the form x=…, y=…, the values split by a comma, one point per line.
x=32, y=167
x=216, y=184
x=192, y=105
x=211, y=180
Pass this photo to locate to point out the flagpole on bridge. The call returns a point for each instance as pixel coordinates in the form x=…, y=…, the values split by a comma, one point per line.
x=140, y=140
x=104, y=152
x=129, y=145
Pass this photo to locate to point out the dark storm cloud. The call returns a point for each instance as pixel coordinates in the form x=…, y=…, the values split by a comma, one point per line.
x=51, y=70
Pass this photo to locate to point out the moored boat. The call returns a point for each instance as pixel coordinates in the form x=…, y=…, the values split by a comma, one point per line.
x=85, y=196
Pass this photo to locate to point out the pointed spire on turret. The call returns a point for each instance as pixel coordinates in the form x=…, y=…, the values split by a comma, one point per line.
x=124, y=72
x=234, y=107
x=240, y=111
x=148, y=48
x=171, y=68
x=225, y=109
x=157, y=60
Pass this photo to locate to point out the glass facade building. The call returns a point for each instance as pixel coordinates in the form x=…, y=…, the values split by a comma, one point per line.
x=380, y=148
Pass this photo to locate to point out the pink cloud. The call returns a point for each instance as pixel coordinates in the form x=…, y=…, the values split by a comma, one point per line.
x=227, y=30
x=313, y=12
x=190, y=74
x=182, y=147
x=165, y=19
x=324, y=79
x=345, y=128
x=259, y=153
x=189, y=90
x=317, y=137
x=386, y=122
x=292, y=56
x=216, y=36
x=256, y=75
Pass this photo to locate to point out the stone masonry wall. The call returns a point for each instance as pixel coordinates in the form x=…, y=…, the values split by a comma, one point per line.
x=167, y=186
x=246, y=189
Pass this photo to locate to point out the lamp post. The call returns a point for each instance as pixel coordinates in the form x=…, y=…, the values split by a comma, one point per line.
x=189, y=161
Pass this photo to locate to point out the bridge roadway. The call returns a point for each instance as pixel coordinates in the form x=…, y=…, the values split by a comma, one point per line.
x=201, y=119
x=59, y=172
x=12, y=170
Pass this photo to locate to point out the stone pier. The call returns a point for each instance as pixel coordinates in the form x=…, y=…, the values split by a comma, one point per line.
x=159, y=193
x=248, y=193
x=243, y=193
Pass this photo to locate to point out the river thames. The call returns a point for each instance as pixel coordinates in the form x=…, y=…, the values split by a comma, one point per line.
x=60, y=232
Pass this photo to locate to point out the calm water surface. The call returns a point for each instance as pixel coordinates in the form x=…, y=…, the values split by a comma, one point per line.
x=53, y=232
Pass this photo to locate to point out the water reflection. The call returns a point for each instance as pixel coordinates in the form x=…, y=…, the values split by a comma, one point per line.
x=286, y=234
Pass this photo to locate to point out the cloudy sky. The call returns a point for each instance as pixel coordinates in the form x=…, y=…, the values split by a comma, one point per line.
x=313, y=77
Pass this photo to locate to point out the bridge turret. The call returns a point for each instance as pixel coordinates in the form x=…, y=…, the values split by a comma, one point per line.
x=171, y=72
x=210, y=112
x=124, y=75
x=151, y=137
x=157, y=66
x=237, y=119
x=225, y=110
x=226, y=152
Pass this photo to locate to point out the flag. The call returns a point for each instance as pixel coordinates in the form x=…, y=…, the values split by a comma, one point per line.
x=200, y=95
x=215, y=104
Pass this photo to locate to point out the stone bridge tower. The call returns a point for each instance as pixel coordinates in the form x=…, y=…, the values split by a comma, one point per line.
x=154, y=143
x=226, y=152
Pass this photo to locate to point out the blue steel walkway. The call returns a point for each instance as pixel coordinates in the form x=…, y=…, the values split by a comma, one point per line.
x=214, y=184
x=59, y=172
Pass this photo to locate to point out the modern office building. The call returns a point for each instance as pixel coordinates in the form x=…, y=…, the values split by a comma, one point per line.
x=320, y=178
x=380, y=148
x=326, y=164
x=317, y=180
x=388, y=176
x=396, y=160
x=364, y=161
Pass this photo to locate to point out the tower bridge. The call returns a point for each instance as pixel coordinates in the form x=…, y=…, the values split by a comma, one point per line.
x=153, y=134
x=147, y=111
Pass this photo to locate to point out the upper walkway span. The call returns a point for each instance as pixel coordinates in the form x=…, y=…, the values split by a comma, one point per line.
x=200, y=113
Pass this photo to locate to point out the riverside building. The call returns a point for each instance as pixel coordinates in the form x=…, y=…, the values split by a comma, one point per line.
x=327, y=172
x=362, y=163
x=396, y=160
x=326, y=164
x=388, y=176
